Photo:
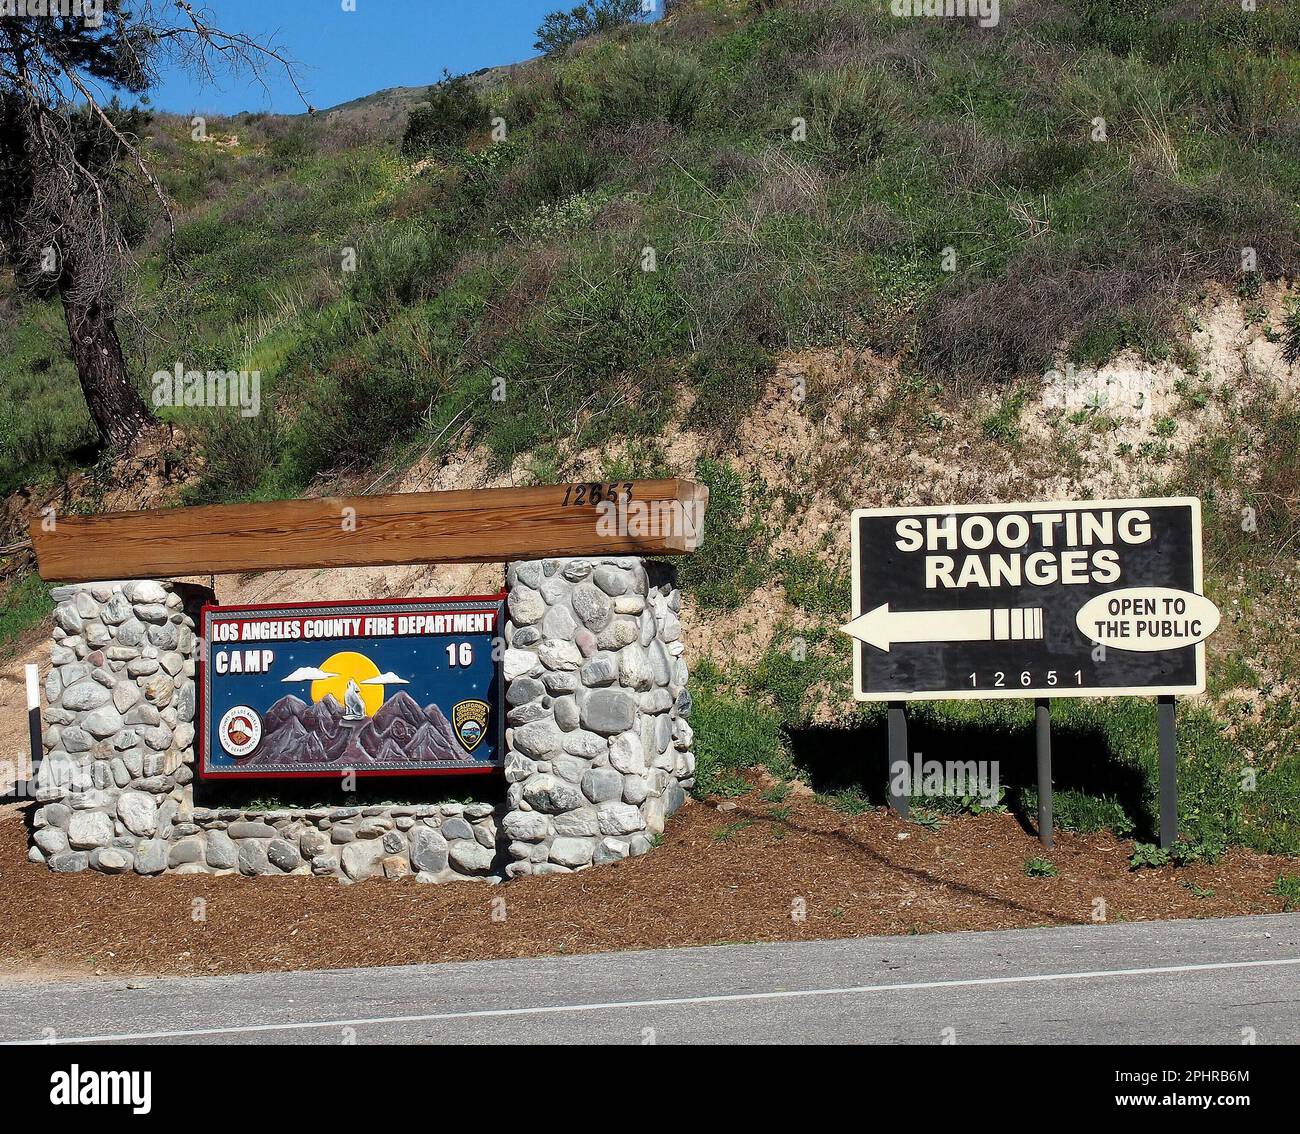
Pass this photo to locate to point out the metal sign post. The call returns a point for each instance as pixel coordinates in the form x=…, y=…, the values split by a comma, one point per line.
x=1168, y=731
x=898, y=800
x=1043, y=721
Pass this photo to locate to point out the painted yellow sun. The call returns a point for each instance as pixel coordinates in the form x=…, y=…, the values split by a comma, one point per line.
x=349, y=666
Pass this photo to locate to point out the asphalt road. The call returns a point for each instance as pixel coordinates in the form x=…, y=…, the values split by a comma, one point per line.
x=1141, y=982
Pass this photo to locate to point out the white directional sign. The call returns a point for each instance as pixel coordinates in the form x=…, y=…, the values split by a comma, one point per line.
x=1057, y=599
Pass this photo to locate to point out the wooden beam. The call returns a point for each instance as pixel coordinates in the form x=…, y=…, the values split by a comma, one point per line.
x=664, y=517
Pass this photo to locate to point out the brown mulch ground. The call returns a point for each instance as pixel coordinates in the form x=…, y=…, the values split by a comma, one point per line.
x=712, y=881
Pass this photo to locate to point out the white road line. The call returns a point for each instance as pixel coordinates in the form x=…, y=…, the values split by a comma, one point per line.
x=667, y=1002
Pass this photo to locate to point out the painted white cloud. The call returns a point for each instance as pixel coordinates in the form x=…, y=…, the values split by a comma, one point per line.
x=309, y=673
x=389, y=678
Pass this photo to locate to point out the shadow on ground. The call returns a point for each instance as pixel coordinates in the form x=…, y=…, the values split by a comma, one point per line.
x=835, y=760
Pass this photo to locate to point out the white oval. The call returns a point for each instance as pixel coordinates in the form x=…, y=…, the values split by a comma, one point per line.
x=1147, y=619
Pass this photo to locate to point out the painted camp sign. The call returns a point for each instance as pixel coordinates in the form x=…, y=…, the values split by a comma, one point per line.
x=397, y=687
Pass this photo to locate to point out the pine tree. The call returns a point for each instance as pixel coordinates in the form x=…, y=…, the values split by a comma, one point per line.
x=71, y=168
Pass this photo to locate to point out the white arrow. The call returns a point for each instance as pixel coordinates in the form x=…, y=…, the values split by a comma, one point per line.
x=882, y=627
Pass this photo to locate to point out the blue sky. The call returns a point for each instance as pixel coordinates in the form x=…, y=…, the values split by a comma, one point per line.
x=346, y=54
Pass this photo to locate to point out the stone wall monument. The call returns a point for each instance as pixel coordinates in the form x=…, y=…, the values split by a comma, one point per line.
x=598, y=746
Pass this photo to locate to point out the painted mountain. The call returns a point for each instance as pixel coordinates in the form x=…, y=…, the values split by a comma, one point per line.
x=401, y=732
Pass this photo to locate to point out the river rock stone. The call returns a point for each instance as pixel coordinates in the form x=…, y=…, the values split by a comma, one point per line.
x=609, y=579
x=131, y=632
x=581, y=823
x=457, y=828
x=145, y=591
x=111, y=860
x=69, y=862
x=520, y=663
x=282, y=853
x=523, y=690
x=427, y=850
x=674, y=796
x=565, y=710
x=619, y=819
x=76, y=739
x=361, y=858
x=558, y=622
x=151, y=856
x=138, y=812
x=593, y=606
x=538, y=740
x=89, y=829
x=608, y=711
x=626, y=753
x=252, y=857
x=600, y=785
x=552, y=795
x=559, y=655
x=185, y=850
x=251, y=830
x=67, y=619
x=571, y=852
x=51, y=840
x=526, y=826
x=634, y=670
x=469, y=857
x=526, y=606
x=84, y=695
x=222, y=853
x=600, y=669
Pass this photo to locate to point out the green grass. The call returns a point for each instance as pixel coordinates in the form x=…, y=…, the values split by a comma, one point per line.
x=24, y=606
x=1003, y=424
x=1287, y=887
x=1039, y=868
x=731, y=734
x=731, y=830
x=732, y=561
x=1106, y=754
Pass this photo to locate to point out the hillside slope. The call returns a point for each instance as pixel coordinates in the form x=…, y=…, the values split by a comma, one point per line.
x=889, y=260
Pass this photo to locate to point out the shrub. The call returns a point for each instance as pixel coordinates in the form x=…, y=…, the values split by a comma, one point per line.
x=559, y=168
x=452, y=112
x=26, y=603
x=398, y=266
x=1147, y=855
x=238, y=453
x=1291, y=350
x=649, y=83
x=353, y=414
x=850, y=112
